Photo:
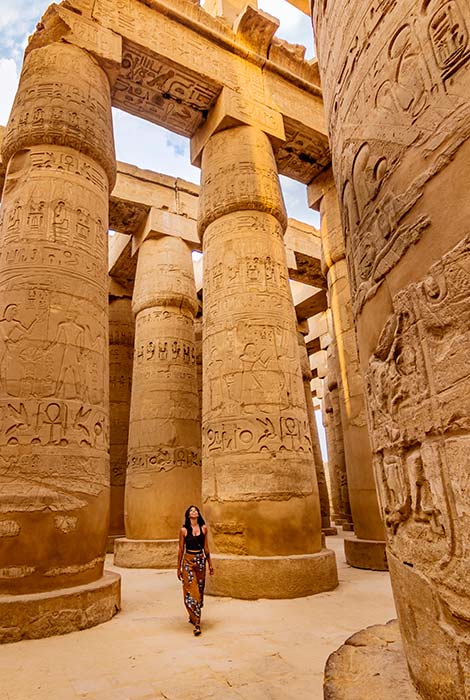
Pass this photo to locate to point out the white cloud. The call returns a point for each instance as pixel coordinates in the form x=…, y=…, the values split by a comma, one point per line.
x=17, y=21
x=9, y=83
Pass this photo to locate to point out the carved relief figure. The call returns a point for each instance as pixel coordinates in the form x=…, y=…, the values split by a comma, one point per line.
x=71, y=336
x=11, y=330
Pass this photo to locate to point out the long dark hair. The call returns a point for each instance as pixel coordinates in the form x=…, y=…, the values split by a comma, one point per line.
x=187, y=521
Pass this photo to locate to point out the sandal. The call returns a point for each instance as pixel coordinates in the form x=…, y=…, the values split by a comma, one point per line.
x=196, y=630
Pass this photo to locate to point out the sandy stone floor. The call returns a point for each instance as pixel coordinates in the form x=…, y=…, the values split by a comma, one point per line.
x=255, y=650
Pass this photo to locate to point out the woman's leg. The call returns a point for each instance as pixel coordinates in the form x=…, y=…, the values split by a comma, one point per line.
x=191, y=589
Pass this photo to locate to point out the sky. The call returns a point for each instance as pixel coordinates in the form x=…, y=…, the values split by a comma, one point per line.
x=138, y=142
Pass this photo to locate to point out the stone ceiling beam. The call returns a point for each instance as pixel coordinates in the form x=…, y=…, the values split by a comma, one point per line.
x=302, y=5
x=177, y=58
x=312, y=305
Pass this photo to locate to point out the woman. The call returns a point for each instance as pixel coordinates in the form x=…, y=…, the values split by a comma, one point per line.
x=193, y=553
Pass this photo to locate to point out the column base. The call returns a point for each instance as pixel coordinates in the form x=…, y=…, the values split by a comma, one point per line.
x=273, y=577
x=145, y=554
x=37, y=615
x=366, y=554
x=370, y=664
x=329, y=531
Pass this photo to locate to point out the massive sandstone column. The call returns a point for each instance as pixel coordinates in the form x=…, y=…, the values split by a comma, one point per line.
x=164, y=470
x=317, y=456
x=397, y=97
x=367, y=549
x=259, y=487
x=121, y=351
x=336, y=440
x=54, y=463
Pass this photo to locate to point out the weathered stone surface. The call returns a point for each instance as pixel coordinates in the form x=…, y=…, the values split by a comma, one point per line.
x=145, y=554
x=121, y=352
x=164, y=472
x=397, y=100
x=365, y=554
x=370, y=665
x=317, y=457
x=251, y=577
x=36, y=615
x=259, y=488
x=362, y=493
x=54, y=459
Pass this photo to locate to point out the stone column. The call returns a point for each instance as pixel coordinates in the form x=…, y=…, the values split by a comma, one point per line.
x=336, y=442
x=164, y=467
x=367, y=549
x=121, y=351
x=332, y=470
x=54, y=475
x=317, y=457
x=397, y=101
x=259, y=488
x=198, y=346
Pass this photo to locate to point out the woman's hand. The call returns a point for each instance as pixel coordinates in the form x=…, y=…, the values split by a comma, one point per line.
x=211, y=570
x=179, y=573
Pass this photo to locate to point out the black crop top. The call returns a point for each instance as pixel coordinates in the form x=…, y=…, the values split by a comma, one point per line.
x=194, y=543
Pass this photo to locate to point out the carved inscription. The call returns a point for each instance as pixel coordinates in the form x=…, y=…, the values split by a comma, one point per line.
x=155, y=88
x=414, y=383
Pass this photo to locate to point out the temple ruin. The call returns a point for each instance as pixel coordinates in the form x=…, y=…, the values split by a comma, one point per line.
x=135, y=381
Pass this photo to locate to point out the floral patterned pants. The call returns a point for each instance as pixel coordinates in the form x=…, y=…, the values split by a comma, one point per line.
x=194, y=579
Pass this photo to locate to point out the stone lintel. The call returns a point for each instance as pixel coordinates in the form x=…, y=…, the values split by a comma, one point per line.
x=234, y=109
x=185, y=57
x=313, y=346
x=116, y=247
x=122, y=264
x=37, y=615
x=302, y=5
x=303, y=238
x=227, y=10
x=166, y=223
x=256, y=29
x=318, y=187
x=365, y=554
x=295, y=576
x=145, y=554
x=61, y=24
x=312, y=305
x=117, y=290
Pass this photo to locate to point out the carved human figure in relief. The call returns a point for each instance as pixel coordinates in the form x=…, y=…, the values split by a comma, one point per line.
x=70, y=335
x=11, y=330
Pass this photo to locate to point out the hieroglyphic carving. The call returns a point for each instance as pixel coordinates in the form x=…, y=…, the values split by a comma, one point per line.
x=155, y=87
x=303, y=154
x=54, y=430
x=256, y=436
x=396, y=87
x=164, y=429
x=414, y=384
x=407, y=97
x=55, y=110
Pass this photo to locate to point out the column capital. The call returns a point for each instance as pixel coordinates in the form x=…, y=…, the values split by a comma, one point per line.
x=161, y=222
x=60, y=24
x=237, y=109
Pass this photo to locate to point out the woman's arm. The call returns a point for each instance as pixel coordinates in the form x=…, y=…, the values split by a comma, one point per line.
x=206, y=549
x=179, y=570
